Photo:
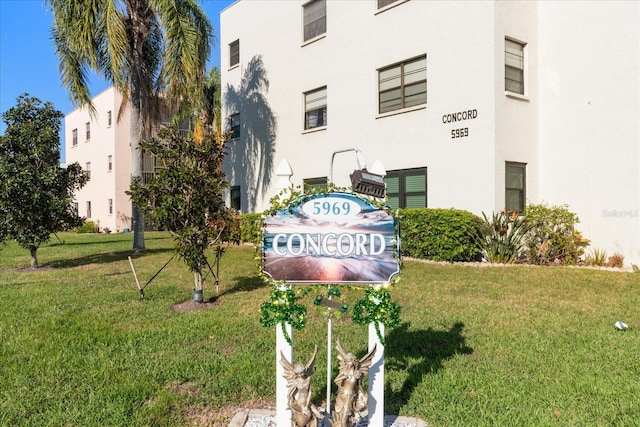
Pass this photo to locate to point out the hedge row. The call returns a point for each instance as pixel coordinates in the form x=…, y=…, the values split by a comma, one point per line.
x=436, y=234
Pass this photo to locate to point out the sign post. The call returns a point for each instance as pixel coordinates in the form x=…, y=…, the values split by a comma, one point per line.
x=332, y=238
x=283, y=415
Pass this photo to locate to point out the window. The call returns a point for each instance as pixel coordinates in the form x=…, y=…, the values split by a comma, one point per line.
x=88, y=209
x=235, y=197
x=385, y=3
x=109, y=118
x=315, y=183
x=407, y=188
x=88, y=129
x=513, y=66
x=515, y=186
x=315, y=108
x=234, y=53
x=234, y=125
x=110, y=202
x=75, y=208
x=89, y=170
x=315, y=19
x=74, y=136
x=403, y=85
x=109, y=163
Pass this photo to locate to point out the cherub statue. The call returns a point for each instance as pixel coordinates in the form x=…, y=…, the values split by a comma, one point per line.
x=298, y=376
x=351, y=398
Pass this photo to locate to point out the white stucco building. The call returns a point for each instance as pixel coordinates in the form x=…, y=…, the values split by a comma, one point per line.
x=100, y=144
x=472, y=105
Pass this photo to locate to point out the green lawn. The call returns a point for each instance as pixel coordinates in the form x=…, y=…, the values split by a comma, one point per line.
x=518, y=346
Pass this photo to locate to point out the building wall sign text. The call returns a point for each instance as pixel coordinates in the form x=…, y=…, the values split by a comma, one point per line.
x=460, y=116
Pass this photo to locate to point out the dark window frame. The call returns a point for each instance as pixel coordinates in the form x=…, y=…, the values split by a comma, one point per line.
x=522, y=192
x=315, y=183
x=315, y=27
x=514, y=78
x=402, y=194
x=234, y=126
x=235, y=196
x=403, y=87
x=385, y=3
x=316, y=117
x=234, y=53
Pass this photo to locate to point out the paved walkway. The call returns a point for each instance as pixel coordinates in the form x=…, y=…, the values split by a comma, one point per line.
x=266, y=418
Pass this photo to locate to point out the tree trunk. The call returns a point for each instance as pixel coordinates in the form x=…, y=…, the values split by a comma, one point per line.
x=136, y=171
x=197, y=285
x=34, y=256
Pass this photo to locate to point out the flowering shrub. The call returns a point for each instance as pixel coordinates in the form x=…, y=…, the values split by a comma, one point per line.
x=553, y=238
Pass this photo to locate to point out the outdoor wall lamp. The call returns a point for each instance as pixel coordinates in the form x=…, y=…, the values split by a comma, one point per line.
x=362, y=181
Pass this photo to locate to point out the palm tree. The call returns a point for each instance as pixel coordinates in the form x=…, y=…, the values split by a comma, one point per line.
x=144, y=48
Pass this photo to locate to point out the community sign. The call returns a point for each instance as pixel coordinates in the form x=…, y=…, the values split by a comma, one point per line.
x=331, y=238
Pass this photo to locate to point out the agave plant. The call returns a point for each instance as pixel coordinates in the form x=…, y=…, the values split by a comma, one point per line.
x=501, y=237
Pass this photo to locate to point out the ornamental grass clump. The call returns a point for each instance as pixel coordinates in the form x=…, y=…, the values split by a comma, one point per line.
x=501, y=238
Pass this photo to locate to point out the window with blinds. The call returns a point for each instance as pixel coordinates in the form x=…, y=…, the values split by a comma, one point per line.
x=315, y=19
x=407, y=188
x=315, y=183
x=236, y=198
x=515, y=186
x=234, y=53
x=234, y=126
x=315, y=110
x=513, y=66
x=385, y=3
x=403, y=85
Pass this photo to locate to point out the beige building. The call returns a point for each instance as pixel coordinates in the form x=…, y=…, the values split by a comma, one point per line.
x=100, y=144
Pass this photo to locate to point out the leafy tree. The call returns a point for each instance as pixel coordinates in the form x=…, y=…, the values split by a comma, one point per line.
x=185, y=196
x=35, y=192
x=143, y=47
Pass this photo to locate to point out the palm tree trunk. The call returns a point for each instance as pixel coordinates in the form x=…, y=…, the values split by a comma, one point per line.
x=136, y=171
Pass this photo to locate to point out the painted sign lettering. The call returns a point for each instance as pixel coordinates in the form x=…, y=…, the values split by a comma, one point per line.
x=331, y=238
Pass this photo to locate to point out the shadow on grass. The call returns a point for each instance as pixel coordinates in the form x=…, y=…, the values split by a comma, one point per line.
x=108, y=238
x=242, y=284
x=104, y=258
x=418, y=353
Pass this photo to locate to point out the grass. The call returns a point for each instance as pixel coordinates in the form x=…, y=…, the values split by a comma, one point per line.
x=525, y=346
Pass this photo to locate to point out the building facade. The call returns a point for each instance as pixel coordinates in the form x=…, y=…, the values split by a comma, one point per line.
x=100, y=144
x=481, y=106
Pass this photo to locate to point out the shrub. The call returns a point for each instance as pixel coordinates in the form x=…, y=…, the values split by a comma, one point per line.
x=615, y=260
x=439, y=234
x=596, y=257
x=251, y=227
x=553, y=238
x=87, y=226
x=501, y=239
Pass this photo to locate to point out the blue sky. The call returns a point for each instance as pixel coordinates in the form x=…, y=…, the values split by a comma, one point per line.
x=27, y=58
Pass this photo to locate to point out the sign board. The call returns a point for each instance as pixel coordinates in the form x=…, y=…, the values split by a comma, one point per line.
x=330, y=239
